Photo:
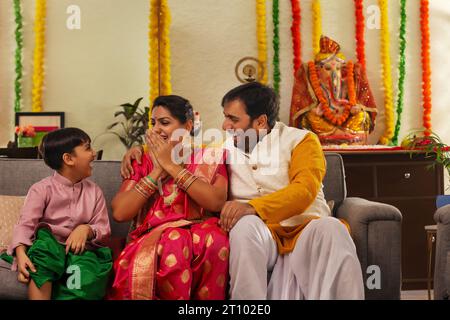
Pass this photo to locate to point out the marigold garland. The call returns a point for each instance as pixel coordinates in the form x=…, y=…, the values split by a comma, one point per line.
x=276, y=46
x=328, y=113
x=262, y=37
x=159, y=50
x=401, y=71
x=426, y=68
x=360, y=44
x=38, y=57
x=317, y=25
x=296, y=35
x=18, y=56
x=387, y=77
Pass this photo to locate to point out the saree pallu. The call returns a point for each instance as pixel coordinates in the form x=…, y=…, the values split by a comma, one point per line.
x=170, y=256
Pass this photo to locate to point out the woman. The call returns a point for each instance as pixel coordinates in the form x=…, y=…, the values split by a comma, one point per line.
x=177, y=250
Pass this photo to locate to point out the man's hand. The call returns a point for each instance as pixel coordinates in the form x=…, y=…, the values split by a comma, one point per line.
x=76, y=242
x=23, y=263
x=126, y=169
x=232, y=211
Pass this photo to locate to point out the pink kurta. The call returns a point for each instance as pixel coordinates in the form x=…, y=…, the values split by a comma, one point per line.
x=58, y=204
x=176, y=252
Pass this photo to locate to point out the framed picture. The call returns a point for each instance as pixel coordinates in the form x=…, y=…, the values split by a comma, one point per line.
x=42, y=122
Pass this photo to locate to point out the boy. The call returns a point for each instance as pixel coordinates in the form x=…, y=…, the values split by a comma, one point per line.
x=60, y=239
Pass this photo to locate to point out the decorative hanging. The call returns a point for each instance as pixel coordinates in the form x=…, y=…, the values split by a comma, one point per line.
x=18, y=56
x=159, y=52
x=387, y=77
x=262, y=37
x=426, y=69
x=38, y=57
x=401, y=71
x=276, y=46
x=317, y=25
x=360, y=44
x=296, y=35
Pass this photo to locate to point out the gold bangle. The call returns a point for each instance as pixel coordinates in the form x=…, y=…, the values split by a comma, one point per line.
x=184, y=178
x=190, y=183
x=140, y=191
x=181, y=175
x=149, y=183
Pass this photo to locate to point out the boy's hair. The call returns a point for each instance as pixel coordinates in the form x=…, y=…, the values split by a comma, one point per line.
x=56, y=143
x=258, y=100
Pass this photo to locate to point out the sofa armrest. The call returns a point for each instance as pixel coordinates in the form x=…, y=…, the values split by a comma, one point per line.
x=361, y=211
x=376, y=230
x=442, y=215
x=441, y=283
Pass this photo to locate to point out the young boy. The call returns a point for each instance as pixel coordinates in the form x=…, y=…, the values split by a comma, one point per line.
x=60, y=239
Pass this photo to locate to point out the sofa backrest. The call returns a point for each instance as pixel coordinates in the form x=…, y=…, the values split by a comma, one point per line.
x=334, y=181
x=17, y=176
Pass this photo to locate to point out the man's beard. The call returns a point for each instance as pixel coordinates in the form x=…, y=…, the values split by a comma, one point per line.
x=247, y=144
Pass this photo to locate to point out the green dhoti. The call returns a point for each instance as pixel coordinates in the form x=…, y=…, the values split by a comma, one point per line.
x=83, y=276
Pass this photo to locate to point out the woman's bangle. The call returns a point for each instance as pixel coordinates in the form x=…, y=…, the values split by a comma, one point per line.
x=145, y=188
x=181, y=175
x=137, y=188
x=152, y=180
x=189, y=182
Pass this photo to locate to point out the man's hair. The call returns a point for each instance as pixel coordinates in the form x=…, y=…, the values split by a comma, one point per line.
x=54, y=144
x=258, y=100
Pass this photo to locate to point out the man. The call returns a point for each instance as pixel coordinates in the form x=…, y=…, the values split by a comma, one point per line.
x=283, y=244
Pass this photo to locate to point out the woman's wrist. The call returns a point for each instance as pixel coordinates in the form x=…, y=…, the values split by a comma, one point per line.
x=174, y=169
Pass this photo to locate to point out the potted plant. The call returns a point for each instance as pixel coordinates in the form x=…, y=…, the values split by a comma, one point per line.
x=433, y=146
x=133, y=124
x=25, y=136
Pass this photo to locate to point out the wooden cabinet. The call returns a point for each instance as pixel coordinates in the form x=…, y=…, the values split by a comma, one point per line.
x=408, y=183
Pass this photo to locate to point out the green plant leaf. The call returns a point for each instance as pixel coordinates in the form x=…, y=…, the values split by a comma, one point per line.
x=119, y=113
x=138, y=101
x=112, y=125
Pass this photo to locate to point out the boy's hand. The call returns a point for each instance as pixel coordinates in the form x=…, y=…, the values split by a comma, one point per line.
x=76, y=242
x=23, y=263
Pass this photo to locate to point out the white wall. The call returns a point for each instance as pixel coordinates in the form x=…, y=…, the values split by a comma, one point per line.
x=91, y=71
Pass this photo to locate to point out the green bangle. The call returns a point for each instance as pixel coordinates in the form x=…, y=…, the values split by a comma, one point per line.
x=152, y=180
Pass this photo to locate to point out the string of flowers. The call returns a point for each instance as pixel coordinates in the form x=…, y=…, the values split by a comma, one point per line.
x=296, y=35
x=330, y=115
x=276, y=46
x=262, y=37
x=401, y=71
x=38, y=56
x=166, y=85
x=317, y=25
x=426, y=69
x=159, y=51
x=18, y=56
x=387, y=77
x=360, y=44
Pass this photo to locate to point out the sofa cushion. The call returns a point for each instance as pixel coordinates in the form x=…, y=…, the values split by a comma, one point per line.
x=10, y=207
x=10, y=287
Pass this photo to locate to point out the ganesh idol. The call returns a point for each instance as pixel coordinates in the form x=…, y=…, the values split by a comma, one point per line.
x=331, y=97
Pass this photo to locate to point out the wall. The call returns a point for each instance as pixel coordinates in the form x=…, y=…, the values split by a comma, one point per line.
x=90, y=71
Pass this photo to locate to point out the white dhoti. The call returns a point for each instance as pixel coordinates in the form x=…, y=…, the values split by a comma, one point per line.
x=323, y=264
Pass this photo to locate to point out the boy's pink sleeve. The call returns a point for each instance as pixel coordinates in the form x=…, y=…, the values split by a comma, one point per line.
x=100, y=221
x=32, y=211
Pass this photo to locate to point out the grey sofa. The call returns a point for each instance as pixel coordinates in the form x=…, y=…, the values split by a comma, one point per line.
x=442, y=262
x=376, y=227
